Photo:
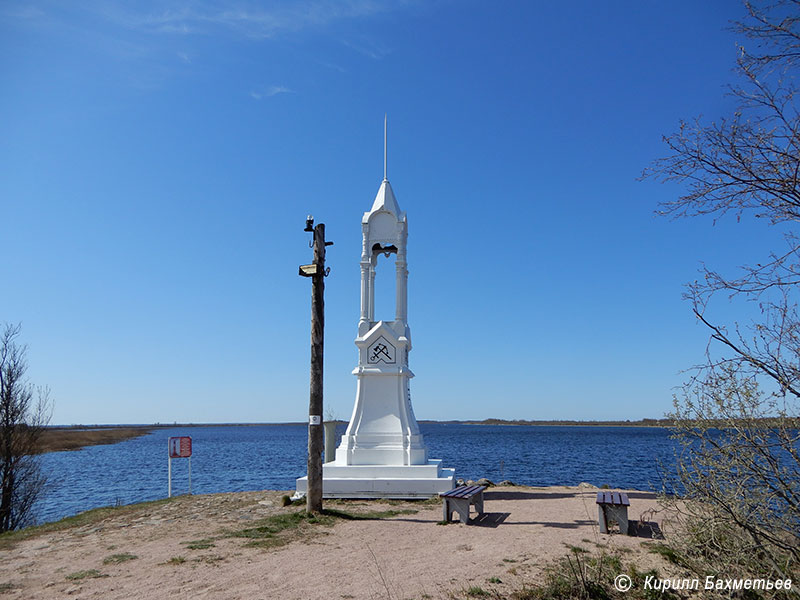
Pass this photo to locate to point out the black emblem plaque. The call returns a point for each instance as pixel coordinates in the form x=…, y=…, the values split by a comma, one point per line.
x=381, y=351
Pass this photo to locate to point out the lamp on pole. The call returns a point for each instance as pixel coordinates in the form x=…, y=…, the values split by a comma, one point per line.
x=317, y=272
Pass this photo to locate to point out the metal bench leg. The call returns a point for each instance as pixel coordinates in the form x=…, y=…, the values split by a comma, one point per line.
x=615, y=513
x=462, y=508
x=601, y=518
x=479, y=503
x=621, y=517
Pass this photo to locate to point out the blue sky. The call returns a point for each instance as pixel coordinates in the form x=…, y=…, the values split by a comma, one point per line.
x=157, y=162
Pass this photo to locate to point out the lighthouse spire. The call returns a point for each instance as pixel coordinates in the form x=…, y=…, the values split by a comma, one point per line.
x=385, y=119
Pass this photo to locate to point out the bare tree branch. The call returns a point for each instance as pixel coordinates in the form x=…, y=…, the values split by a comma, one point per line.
x=23, y=415
x=739, y=470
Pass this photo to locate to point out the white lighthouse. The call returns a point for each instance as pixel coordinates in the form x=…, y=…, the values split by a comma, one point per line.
x=382, y=454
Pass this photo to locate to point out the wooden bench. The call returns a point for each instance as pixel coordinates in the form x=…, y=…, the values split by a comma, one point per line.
x=460, y=499
x=613, y=506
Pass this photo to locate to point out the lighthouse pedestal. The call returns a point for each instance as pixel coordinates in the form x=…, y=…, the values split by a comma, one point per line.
x=382, y=454
x=383, y=481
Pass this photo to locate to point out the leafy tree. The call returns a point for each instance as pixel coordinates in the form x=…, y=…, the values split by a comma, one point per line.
x=23, y=415
x=738, y=418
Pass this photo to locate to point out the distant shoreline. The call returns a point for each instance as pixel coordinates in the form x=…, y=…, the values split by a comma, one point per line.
x=570, y=423
x=60, y=438
x=566, y=423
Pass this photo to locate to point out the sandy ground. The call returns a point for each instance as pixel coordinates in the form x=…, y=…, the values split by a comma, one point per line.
x=402, y=557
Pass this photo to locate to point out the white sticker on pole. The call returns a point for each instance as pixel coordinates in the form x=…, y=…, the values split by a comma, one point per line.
x=314, y=420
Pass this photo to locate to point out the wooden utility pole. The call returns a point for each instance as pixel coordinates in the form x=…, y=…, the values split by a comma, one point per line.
x=317, y=272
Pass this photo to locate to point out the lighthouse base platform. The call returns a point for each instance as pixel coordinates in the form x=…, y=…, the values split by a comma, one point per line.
x=383, y=481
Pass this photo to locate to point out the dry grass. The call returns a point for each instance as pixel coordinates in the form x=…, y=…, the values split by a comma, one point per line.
x=56, y=439
x=90, y=517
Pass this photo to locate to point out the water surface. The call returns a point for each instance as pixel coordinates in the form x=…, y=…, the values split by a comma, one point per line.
x=258, y=457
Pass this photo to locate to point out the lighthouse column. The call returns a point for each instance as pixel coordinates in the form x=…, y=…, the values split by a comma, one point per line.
x=401, y=296
x=363, y=320
x=371, y=293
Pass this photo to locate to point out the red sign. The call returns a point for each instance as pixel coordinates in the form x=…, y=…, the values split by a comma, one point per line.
x=180, y=447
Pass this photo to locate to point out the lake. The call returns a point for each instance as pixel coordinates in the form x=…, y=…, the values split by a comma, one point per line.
x=258, y=457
